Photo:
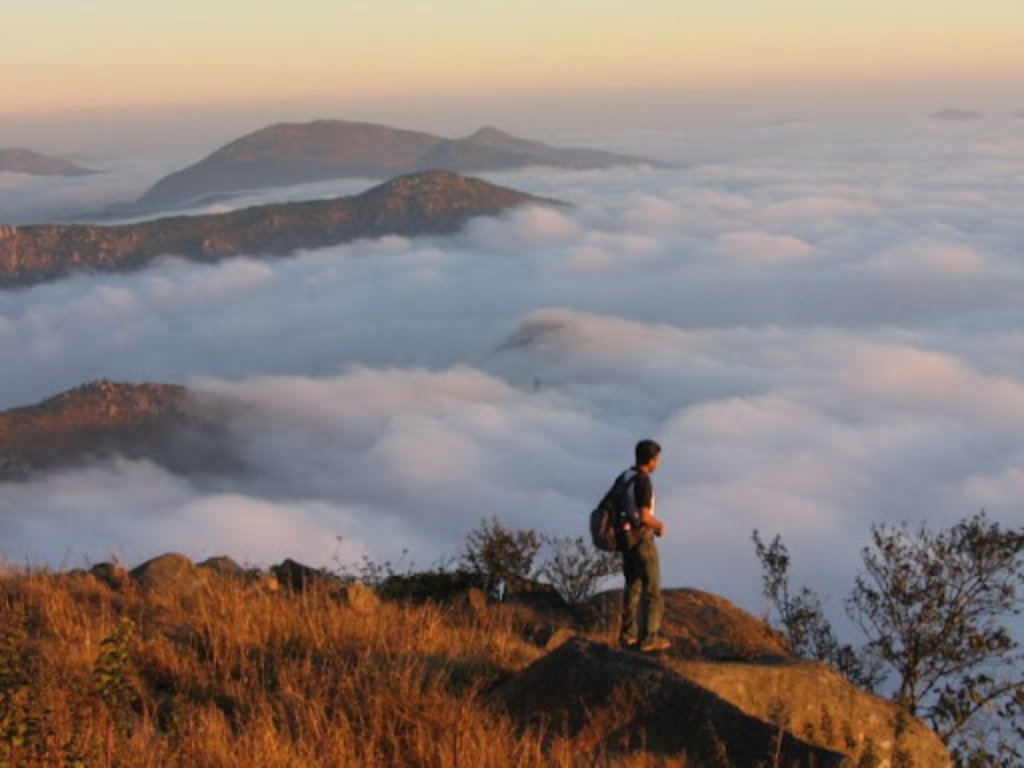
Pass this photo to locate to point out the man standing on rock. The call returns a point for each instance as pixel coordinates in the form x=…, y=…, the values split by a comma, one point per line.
x=642, y=605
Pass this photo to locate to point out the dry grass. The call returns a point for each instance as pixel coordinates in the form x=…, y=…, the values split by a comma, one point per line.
x=239, y=675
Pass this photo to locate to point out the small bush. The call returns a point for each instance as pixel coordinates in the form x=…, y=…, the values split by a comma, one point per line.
x=496, y=555
x=576, y=569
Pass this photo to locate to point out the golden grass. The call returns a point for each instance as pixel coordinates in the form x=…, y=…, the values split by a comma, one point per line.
x=240, y=675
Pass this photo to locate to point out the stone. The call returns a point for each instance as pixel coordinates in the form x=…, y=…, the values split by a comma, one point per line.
x=113, y=575
x=297, y=577
x=224, y=566
x=169, y=575
x=821, y=706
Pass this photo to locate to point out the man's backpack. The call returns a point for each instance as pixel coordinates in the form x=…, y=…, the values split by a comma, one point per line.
x=610, y=524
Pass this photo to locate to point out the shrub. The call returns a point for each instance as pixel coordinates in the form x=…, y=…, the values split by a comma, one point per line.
x=496, y=555
x=576, y=569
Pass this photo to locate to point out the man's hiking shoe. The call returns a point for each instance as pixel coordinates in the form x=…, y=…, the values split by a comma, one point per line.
x=654, y=644
x=628, y=643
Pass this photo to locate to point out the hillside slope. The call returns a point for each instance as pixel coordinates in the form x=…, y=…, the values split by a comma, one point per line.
x=217, y=664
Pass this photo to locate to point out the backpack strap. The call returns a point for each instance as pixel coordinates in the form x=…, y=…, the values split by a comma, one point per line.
x=628, y=508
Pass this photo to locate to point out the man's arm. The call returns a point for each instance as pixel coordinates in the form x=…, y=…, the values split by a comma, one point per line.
x=651, y=521
x=644, y=495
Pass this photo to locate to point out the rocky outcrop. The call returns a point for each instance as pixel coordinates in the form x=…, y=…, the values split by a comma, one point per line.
x=171, y=577
x=293, y=153
x=21, y=160
x=297, y=577
x=619, y=703
x=710, y=628
x=429, y=203
x=817, y=704
x=174, y=578
x=741, y=661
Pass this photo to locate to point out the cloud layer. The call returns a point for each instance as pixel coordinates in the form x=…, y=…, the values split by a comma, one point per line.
x=823, y=331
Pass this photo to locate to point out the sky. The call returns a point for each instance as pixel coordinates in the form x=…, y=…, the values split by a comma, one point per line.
x=72, y=56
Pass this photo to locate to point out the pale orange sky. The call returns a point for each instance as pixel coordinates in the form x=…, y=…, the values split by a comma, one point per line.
x=69, y=55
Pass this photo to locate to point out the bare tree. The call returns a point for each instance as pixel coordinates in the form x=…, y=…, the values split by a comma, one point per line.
x=935, y=608
x=938, y=612
x=801, y=617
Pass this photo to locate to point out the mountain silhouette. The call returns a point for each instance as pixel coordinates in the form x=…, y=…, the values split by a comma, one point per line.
x=295, y=153
x=21, y=160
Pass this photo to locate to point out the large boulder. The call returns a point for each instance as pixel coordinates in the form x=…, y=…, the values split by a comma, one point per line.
x=822, y=707
x=224, y=567
x=622, y=703
x=170, y=576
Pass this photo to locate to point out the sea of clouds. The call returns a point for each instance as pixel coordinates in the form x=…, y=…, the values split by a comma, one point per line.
x=820, y=323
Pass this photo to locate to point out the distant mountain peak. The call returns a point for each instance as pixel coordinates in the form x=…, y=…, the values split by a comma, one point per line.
x=25, y=161
x=489, y=133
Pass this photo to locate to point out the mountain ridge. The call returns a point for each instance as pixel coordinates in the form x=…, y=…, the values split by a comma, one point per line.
x=424, y=203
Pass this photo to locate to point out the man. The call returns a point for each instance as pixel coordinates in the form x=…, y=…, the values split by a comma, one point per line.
x=642, y=606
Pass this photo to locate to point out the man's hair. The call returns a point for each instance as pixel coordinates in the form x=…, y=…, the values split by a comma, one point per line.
x=645, y=451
